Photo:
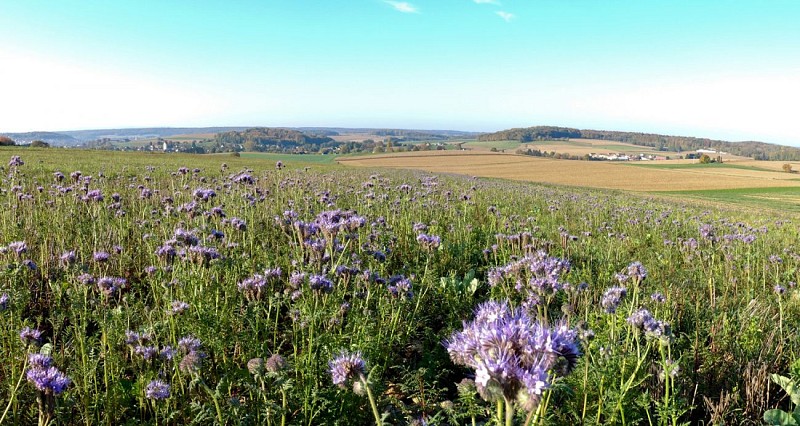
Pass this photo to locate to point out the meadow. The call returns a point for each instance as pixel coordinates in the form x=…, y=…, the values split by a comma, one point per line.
x=212, y=289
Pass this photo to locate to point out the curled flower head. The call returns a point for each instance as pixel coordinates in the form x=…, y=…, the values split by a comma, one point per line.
x=275, y=363
x=346, y=366
x=255, y=366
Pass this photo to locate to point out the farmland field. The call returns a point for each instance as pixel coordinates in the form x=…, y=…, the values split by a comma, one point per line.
x=596, y=174
x=213, y=289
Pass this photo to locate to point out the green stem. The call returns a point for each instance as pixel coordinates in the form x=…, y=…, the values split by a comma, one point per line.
x=14, y=393
x=509, y=412
x=375, y=412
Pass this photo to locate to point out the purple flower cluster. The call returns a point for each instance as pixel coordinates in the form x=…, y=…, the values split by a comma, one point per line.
x=332, y=222
x=320, y=283
x=15, y=161
x=3, y=302
x=535, y=273
x=347, y=366
x=612, y=298
x=193, y=356
x=18, y=247
x=204, y=194
x=429, y=242
x=30, y=336
x=644, y=321
x=44, y=376
x=253, y=287
x=400, y=286
x=157, y=389
x=110, y=285
x=512, y=354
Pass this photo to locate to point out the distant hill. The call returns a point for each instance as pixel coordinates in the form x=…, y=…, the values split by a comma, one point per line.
x=52, y=138
x=756, y=150
x=141, y=133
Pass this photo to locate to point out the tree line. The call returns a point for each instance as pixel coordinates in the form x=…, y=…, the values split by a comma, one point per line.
x=754, y=149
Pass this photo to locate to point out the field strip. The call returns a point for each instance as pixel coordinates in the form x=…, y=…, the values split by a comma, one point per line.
x=592, y=174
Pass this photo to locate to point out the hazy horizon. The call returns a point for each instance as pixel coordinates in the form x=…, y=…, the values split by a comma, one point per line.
x=714, y=69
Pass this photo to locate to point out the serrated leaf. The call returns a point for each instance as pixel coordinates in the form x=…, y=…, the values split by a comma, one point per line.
x=779, y=418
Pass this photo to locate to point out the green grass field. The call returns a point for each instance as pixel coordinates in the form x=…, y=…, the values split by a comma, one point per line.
x=783, y=199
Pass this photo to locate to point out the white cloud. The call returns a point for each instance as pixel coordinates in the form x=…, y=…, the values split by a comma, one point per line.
x=402, y=6
x=505, y=15
x=487, y=2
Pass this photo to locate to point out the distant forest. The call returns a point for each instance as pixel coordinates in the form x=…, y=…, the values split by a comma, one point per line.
x=756, y=150
x=274, y=140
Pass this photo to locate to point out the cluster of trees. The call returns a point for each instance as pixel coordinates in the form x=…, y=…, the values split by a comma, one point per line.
x=7, y=141
x=274, y=140
x=756, y=150
x=530, y=134
x=411, y=135
x=553, y=154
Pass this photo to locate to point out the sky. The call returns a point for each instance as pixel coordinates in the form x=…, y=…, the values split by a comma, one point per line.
x=725, y=69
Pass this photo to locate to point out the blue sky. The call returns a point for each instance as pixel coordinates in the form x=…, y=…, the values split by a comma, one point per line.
x=723, y=69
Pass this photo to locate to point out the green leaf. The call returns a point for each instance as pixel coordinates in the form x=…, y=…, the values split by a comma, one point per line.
x=779, y=417
x=788, y=385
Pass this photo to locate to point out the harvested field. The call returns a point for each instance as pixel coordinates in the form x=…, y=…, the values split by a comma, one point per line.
x=609, y=175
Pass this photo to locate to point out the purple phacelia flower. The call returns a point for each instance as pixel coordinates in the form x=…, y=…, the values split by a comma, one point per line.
x=101, y=256
x=30, y=336
x=30, y=264
x=110, y=285
x=192, y=362
x=400, y=286
x=320, y=283
x=779, y=289
x=429, y=242
x=68, y=257
x=94, y=195
x=166, y=353
x=178, y=307
x=612, y=298
x=86, y=279
x=512, y=353
x=18, y=247
x=146, y=352
x=347, y=366
x=4, y=302
x=637, y=271
x=15, y=161
x=658, y=297
x=48, y=380
x=37, y=360
x=189, y=344
x=645, y=322
x=157, y=389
